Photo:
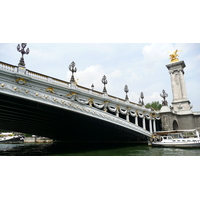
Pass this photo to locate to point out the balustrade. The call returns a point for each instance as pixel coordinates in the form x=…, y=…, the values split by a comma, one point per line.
x=36, y=75
x=7, y=67
x=59, y=82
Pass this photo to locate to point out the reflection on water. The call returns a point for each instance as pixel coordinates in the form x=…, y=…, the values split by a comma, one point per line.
x=65, y=149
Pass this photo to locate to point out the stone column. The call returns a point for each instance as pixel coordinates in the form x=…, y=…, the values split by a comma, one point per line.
x=127, y=117
x=173, y=91
x=154, y=125
x=144, y=123
x=183, y=87
x=136, y=120
x=180, y=103
x=177, y=79
x=117, y=113
x=150, y=126
x=176, y=86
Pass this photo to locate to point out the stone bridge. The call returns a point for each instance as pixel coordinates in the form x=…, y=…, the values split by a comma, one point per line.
x=37, y=104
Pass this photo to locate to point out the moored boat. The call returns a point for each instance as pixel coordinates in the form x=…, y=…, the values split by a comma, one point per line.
x=182, y=138
x=11, y=139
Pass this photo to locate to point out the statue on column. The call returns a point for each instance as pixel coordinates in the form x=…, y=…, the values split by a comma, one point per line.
x=174, y=56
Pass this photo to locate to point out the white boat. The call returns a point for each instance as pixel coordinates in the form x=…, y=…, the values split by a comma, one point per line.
x=11, y=139
x=182, y=138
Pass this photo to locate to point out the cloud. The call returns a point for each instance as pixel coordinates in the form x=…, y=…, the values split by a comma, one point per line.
x=91, y=75
x=115, y=74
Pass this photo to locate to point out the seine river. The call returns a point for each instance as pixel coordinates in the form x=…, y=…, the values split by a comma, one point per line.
x=65, y=149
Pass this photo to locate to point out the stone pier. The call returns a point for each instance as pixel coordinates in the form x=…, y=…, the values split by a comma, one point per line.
x=179, y=115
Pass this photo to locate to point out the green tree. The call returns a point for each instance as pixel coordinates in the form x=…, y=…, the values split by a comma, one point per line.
x=154, y=104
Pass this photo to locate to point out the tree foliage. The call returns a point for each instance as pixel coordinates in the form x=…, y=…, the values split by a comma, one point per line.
x=154, y=104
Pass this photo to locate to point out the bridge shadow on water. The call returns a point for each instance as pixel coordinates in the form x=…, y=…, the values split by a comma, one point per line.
x=90, y=149
x=69, y=149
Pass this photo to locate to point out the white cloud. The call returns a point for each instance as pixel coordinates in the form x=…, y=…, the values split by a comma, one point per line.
x=155, y=97
x=115, y=74
x=91, y=75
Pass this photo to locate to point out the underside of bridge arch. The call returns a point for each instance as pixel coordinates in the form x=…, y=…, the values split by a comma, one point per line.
x=26, y=116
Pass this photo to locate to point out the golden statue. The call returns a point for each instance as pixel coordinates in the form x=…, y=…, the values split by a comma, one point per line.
x=174, y=56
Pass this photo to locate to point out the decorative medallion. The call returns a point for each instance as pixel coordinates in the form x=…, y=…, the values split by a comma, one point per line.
x=21, y=81
x=50, y=90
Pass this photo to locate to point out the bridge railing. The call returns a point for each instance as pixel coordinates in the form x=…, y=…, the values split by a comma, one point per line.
x=36, y=75
x=7, y=67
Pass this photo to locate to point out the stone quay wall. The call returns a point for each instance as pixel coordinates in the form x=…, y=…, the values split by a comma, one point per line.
x=37, y=140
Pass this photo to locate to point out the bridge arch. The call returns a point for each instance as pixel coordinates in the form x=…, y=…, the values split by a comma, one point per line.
x=79, y=107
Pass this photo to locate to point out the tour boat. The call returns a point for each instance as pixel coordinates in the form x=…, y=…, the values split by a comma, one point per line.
x=186, y=138
x=12, y=139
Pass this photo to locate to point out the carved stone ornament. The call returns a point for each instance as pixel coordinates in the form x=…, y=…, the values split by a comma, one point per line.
x=21, y=81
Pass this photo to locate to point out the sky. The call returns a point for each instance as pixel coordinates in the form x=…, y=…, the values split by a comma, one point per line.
x=140, y=66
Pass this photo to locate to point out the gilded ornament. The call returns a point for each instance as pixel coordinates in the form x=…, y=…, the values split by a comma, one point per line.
x=2, y=85
x=21, y=81
x=174, y=56
x=50, y=90
x=90, y=101
x=153, y=114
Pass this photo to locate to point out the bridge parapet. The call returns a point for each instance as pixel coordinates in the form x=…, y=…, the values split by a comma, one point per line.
x=25, y=83
x=8, y=67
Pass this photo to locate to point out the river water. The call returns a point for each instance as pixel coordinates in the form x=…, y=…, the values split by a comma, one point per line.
x=66, y=149
x=69, y=171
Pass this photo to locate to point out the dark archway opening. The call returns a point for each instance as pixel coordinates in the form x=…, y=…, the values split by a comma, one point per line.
x=147, y=124
x=175, y=125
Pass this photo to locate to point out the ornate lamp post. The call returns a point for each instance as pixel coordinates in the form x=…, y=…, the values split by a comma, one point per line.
x=141, y=97
x=104, y=81
x=126, y=90
x=23, y=46
x=92, y=86
x=73, y=69
x=164, y=95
